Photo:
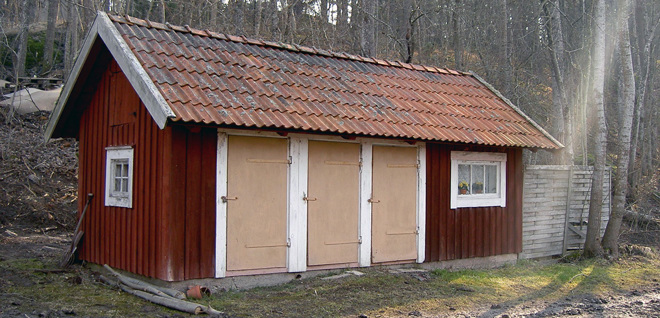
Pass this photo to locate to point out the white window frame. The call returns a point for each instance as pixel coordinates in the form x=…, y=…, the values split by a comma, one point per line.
x=112, y=156
x=478, y=200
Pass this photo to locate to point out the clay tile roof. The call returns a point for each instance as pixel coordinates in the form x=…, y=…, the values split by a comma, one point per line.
x=214, y=78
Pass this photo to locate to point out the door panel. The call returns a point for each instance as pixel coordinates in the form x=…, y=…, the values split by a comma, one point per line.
x=394, y=204
x=256, y=203
x=333, y=203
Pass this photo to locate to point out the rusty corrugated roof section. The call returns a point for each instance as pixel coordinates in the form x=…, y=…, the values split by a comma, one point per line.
x=213, y=78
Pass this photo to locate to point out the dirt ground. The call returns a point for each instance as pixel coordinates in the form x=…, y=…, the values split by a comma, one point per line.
x=37, y=216
x=44, y=248
x=637, y=303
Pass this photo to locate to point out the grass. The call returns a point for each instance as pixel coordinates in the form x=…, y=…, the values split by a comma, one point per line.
x=382, y=294
x=379, y=293
x=71, y=292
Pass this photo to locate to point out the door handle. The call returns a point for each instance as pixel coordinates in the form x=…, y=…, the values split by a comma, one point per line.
x=225, y=198
x=373, y=201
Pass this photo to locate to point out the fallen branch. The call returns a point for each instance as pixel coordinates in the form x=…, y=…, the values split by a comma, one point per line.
x=166, y=301
x=572, y=278
x=169, y=302
x=52, y=271
x=143, y=286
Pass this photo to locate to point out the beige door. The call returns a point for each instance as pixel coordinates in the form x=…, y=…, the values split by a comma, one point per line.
x=333, y=203
x=394, y=204
x=256, y=203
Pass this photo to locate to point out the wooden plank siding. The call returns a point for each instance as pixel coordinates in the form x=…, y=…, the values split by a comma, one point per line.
x=470, y=232
x=169, y=233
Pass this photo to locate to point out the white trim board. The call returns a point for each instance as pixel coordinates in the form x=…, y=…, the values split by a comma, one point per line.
x=297, y=206
x=421, y=203
x=366, y=178
x=221, y=207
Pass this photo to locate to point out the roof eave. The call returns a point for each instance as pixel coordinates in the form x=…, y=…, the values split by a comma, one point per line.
x=520, y=112
x=104, y=29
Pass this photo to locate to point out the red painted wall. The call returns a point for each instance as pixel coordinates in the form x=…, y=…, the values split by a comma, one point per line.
x=470, y=232
x=170, y=231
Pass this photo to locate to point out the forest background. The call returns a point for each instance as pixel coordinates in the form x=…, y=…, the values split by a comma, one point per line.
x=586, y=70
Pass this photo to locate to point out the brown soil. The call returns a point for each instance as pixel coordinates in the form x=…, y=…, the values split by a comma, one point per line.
x=38, y=180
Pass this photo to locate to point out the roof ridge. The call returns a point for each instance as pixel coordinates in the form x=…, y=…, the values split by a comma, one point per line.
x=126, y=19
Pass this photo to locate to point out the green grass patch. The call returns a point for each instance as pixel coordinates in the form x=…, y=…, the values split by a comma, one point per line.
x=380, y=293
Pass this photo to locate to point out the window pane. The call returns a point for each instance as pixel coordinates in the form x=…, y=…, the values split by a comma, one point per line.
x=463, y=179
x=124, y=185
x=118, y=169
x=117, y=184
x=491, y=179
x=124, y=170
x=477, y=179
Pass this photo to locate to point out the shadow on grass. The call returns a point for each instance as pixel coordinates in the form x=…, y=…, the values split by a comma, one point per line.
x=588, y=274
x=383, y=293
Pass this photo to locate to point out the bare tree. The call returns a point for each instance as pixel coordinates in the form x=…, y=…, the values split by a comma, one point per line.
x=592, y=245
x=49, y=44
x=555, y=35
x=22, y=38
x=644, y=71
x=368, y=27
x=457, y=40
x=71, y=38
x=627, y=106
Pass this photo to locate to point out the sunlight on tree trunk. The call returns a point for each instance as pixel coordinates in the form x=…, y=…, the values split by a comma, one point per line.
x=592, y=243
x=627, y=106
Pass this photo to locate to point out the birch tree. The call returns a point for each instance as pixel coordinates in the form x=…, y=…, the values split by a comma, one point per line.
x=555, y=35
x=626, y=109
x=592, y=245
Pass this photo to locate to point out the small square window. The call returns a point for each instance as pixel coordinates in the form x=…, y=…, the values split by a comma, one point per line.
x=119, y=177
x=478, y=179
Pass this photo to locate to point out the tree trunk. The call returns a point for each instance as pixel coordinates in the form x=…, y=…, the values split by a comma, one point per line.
x=564, y=124
x=342, y=16
x=162, y=11
x=592, y=245
x=457, y=40
x=505, y=47
x=71, y=41
x=50, y=35
x=258, y=18
x=89, y=13
x=611, y=236
x=324, y=12
x=368, y=28
x=22, y=38
x=644, y=64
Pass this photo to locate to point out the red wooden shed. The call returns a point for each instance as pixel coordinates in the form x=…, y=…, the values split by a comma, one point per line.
x=213, y=155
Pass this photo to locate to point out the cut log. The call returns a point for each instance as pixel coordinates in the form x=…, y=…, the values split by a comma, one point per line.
x=169, y=302
x=144, y=286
